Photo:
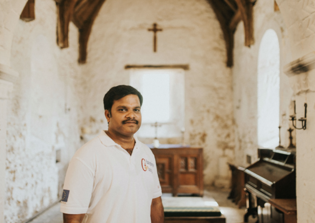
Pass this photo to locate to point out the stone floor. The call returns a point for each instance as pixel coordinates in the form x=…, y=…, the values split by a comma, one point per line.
x=229, y=209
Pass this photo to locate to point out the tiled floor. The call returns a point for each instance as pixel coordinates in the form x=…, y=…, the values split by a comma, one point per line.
x=229, y=209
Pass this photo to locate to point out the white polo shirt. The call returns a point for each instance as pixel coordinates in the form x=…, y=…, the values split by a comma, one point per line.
x=109, y=185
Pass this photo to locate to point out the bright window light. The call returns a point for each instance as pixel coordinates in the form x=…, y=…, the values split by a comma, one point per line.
x=156, y=94
x=268, y=90
x=163, y=93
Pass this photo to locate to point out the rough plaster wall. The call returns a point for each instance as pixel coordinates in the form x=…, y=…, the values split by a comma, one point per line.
x=191, y=35
x=43, y=114
x=245, y=81
x=299, y=18
x=10, y=13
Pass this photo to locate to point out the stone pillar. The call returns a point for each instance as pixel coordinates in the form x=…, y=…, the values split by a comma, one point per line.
x=7, y=78
x=302, y=79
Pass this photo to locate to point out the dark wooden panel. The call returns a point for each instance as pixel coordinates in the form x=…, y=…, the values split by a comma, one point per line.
x=187, y=179
x=164, y=171
x=219, y=219
x=180, y=170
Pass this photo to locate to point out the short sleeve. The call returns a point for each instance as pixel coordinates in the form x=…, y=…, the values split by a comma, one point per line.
x=77, y=188
x=157, y=191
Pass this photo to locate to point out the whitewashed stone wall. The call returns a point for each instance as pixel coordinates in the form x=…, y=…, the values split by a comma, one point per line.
x=299, y=17
x=5, y=90
x=191, y=35
x=43, y=114
x=245, y=74
x=10, y=13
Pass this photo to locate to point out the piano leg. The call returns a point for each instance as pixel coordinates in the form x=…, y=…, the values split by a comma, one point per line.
x=251, y=208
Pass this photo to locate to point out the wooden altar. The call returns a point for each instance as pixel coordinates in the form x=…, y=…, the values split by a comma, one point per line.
x=180, y=169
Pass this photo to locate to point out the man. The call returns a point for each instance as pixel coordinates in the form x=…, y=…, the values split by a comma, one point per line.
x=113, y=178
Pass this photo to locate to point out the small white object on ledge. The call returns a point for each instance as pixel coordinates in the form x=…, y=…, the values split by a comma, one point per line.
x=156, y=143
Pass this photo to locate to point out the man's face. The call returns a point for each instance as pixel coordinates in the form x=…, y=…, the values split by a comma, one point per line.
x=125, y=117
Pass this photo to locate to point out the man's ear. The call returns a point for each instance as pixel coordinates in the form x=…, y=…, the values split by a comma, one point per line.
x=107, y=115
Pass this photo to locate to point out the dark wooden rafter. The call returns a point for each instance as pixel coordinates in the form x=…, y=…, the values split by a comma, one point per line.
x=230, y=13
x=224, y=17
x=246, y=9
x=235, y=20
x=64, y=14
x=231, y=5
x=276, y=7
x=85, y=13
x=28, y=13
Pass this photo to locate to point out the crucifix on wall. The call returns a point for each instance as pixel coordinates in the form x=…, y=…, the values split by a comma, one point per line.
x=155, y=30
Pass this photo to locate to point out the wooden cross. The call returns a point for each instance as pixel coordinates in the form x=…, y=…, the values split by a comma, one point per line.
x=156, y=125
x=155, y=30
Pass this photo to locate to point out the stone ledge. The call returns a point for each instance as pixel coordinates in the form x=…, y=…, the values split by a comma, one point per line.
x=302, y=73
x=8, y=74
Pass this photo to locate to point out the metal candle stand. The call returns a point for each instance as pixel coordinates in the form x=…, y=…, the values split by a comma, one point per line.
x=302, y=120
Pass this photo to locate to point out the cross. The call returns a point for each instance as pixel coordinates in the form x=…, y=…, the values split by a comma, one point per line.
x=155, y=30
x=156, y=125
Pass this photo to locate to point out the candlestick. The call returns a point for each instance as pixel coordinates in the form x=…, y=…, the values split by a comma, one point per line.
x=291, y=146
x=279, y=146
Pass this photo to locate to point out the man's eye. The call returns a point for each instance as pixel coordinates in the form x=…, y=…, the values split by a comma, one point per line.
x=137, y=110
x=122, y=109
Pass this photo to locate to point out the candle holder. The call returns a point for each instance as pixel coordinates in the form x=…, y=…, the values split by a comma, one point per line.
x=291, y=146
x=302, y=119
x=279, y=146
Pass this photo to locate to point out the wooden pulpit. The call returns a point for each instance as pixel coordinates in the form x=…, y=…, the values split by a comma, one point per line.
x=180, y=169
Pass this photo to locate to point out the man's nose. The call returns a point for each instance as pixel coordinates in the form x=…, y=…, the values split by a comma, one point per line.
x=131, y=114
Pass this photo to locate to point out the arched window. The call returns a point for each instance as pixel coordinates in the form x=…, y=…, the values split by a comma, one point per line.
x=268, y=90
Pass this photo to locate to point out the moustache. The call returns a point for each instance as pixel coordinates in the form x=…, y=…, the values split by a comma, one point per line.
x=130, y=120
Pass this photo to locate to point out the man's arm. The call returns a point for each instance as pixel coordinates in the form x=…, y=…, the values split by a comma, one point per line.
x=73, y=218
x=157, y=211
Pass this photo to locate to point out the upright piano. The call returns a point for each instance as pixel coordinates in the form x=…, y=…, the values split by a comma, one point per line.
x=272, y=177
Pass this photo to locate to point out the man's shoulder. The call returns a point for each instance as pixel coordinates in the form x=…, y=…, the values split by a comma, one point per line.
x=89, y=148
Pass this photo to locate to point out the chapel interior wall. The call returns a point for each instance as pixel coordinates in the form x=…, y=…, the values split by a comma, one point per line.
x=43, y=114
x=191, y=35
x=208, y=78
x=245, y=84
x=299, y=19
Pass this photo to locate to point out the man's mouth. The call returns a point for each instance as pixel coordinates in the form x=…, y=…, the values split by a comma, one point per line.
x=130, y=122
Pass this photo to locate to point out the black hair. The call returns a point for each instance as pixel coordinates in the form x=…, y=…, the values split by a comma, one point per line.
x=118, y=92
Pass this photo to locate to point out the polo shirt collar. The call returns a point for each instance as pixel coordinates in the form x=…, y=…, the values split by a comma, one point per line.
x=107, y=141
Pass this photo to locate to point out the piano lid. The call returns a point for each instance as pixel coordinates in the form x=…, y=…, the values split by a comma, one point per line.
x=268, y=171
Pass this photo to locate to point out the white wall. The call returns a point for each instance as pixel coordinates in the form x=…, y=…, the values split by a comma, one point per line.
x=245, y=74
x=191, y=35
x=43, y=114
x=299, y=18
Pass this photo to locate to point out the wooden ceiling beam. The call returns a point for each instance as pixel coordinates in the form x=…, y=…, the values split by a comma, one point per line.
x=64, y=14
x=246, y=9
x=235, y=20
x=230, y=4
x=227, y=32
x=28, y=13
x=84, y=18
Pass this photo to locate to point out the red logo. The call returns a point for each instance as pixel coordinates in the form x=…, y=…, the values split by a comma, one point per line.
x=144, y=164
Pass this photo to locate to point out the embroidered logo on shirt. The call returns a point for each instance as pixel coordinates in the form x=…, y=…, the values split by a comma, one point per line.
x=144, y=164
x=65, y=195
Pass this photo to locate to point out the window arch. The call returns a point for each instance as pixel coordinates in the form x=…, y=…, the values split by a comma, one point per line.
x=268, y=85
